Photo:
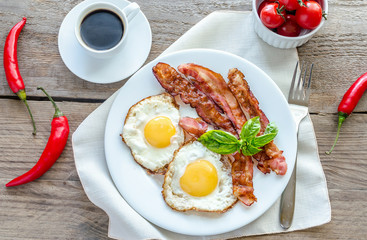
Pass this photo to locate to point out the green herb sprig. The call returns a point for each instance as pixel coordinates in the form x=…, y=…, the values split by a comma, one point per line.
x=249, y=143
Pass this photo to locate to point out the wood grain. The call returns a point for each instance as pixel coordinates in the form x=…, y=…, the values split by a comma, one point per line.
x=338, y=46
x=56, y=207
x=20, y=149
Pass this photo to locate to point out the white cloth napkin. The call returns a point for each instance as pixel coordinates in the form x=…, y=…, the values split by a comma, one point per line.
x=232, y=32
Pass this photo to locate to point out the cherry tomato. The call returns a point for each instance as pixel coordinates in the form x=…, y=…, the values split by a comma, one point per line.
x=290, y=17
x=289, y=29
x=309, y=17
x=290, y=5
x=263, y=4
x=272, y=16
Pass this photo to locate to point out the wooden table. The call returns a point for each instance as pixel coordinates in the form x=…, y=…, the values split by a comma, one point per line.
x=55, y=206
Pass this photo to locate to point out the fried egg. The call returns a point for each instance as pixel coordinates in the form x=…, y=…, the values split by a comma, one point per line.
x=198, y=179
x=152, y=133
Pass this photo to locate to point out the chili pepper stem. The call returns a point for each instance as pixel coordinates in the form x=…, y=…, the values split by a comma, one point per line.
x=340, y=122
x=54, y=147
x=21, y=94
x=58, y=113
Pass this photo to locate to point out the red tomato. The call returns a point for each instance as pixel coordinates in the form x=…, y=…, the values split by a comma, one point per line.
x=289, y=29
x=290, y=5
x=309, y=17
x=263, y=4
x=271, y=15
x=290, y=17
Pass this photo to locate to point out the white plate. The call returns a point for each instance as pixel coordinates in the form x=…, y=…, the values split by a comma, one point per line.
x=143, y=192
x=113, y=69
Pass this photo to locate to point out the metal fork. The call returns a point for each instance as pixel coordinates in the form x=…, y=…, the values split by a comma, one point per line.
x=298, y=98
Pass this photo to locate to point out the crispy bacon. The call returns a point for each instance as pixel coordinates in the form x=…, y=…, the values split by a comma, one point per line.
x=271, y=158
x=193, y=126
x=249, y=104
x=175, y=84
x=215, y=87
x=242, y=174
x=277, y=161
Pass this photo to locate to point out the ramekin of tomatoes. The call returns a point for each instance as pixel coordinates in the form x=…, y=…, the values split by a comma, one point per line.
x=288, y=23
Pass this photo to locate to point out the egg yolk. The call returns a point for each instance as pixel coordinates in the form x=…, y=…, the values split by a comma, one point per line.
x=200, y=178
x=158, y=132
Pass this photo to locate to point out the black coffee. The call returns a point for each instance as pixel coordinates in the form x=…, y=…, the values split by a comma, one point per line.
x=101, y=29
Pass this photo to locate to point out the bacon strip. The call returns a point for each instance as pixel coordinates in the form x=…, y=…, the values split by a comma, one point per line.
x=193, y=126
x=175, y=84
x=242, y=174
x=271, y=158
x=249, y=104
x=215, y=87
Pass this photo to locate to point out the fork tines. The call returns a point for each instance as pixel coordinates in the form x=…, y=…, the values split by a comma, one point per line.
x=299, y=91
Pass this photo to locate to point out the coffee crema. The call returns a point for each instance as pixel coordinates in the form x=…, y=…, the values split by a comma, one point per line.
x=101, y=29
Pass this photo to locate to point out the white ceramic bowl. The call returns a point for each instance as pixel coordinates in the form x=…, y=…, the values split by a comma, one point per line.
x=280, y=41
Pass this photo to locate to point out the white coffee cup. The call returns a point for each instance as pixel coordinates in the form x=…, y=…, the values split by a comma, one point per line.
x=126, y=15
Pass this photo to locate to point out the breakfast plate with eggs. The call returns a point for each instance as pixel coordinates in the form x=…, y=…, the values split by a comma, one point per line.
x=155, y=175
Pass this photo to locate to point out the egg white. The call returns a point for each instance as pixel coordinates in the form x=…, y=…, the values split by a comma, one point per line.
x=220, y=200
x=148, y=156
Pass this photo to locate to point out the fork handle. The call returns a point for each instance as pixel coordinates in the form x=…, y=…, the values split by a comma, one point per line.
x=287, y=202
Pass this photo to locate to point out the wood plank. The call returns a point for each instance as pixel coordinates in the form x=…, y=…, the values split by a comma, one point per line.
x=338, y=47
x=337, y=51
x=21, y=150
x=57, y=205
x=346, y=167
x=61, y=209
x=50, y=210
x=39, y=59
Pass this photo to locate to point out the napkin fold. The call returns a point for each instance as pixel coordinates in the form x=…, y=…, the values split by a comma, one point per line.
x=232, y=32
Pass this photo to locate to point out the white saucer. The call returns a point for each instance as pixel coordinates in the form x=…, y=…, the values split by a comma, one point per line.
x=113, y=69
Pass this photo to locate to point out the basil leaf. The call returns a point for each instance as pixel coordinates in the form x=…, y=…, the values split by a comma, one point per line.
x=250, y=129
x=249, y=149
x=220, y=142
x=269, y=134
x=271, y=128
x=263, y=140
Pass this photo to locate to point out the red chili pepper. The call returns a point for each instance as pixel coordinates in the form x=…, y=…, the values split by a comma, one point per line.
x=12, y=73
x=349, y=102
x=54, y=147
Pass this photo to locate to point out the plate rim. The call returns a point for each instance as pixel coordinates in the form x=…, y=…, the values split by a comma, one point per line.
x=241, y=59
